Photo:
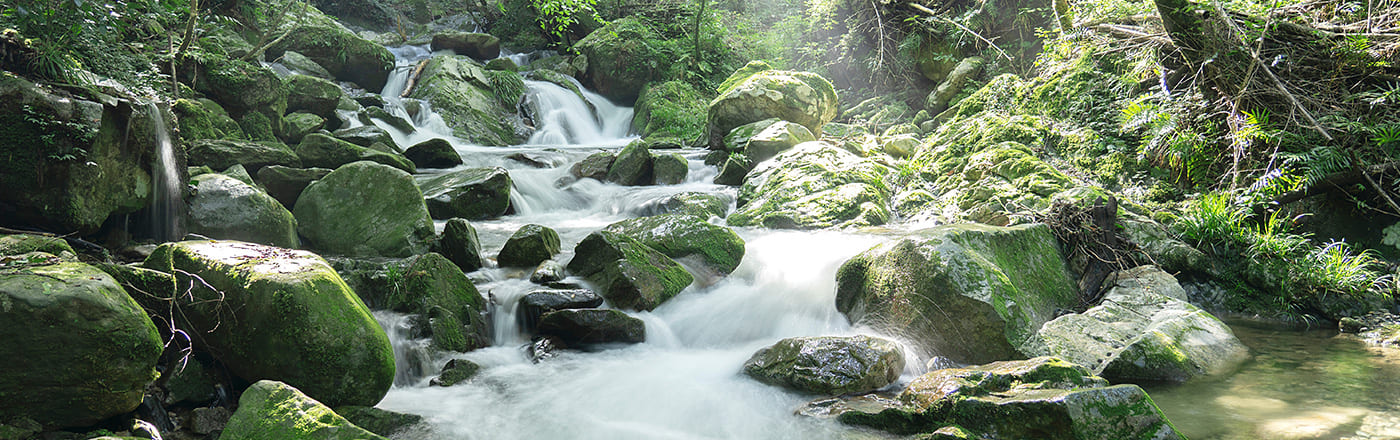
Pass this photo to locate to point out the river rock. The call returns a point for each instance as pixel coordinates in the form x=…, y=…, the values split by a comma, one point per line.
x=1040, y=398
x=804, y=98
x=830, y=365
x=296, y=126
x=760, y=141
x=270, y=409
x=595, y=166
x=20, y=244
x=1144, y=331
x=221, y=154
x=460, y=244
x=377, y=113
x=272, y=313
x=205, y=119
x=243, y=87
x=77, y=349
x=472, y=194
x=592, y=326
x=379, y=421
x=622, y=58
x=549, y=271
x=388, y=217
x=227, y=209
x=476, y=45
x=461, y=91
x=433, y=153
x=321, y=39
x=535, y=304
x=434, y=288
x=529, y=246
x=456, y=371
x=301, y=64
x=683, y=236
x=670, y=110
x=969, y=292
x=813, y=185
x=669, y=169
x=733, y=169
x=313, y=95
x=322, y=151
x=286, y=184
x=633, y=166
x=630, y=274
x=367, y=136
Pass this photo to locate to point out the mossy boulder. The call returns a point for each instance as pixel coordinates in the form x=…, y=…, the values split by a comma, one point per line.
x=669, y=168
x=701, y=204
x=286, y=184
x=388, y=219
x=633, y=166
x=296, y=126
x=672, y=109
x=378, y=421
x=461, y=91
x=529, y=246
x=456, y=371
x=680, y=236
x=595, y=166
x=281, y=314
x=301, y=64
x=322, y=151
x=270, y=409
x=476, y=45
x=1144, y=331
x=629, y=274
x=436, y=290
x=20, y=244
x=968, y=292
x=762, y=140
x=221, y=154
x=313, y=95
x=472, y=194
x=77, y=349
x=367, y=136
x=804, y=98
x=227, y=209
x=623, y=57
x=592, y=326
x=460, y=244
x=433, y=153
x=829, y=365
x=242, y=87
x=342, y=53
x=813, y=185
x=205, y=119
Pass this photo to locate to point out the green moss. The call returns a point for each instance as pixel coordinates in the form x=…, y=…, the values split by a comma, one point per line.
x=680, y=236
x=741, y=75
x=270, y=409
x=671, y=109
x=205, y=119
x=461, y=91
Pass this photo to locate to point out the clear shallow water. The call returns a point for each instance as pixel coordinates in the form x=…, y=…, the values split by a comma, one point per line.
x=1300, y=385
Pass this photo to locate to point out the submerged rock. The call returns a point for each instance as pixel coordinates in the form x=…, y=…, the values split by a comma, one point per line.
x=813, y=185
x=378, y=421
x=388, y=217
x=716, y=247
x=472, y=194
x=529, y=246
x=270, y=409
x=456, y=371
x=592, y=326
x=970, y=292
x=77, y=349
x=225, y=208
x=828, y=365
x=804, y=98
x=630, y=274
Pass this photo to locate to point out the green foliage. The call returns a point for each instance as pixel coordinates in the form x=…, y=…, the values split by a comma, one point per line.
x=557, y=16
x=63, y=141
x=1334, y=268
x=1213, y=218
x=508, y=86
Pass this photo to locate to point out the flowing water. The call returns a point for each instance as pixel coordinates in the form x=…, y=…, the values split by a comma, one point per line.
x=165, y=182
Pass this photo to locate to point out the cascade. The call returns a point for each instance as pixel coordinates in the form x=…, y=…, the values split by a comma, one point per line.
x=165, y=182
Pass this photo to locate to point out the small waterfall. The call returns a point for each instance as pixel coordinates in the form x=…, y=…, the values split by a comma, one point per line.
x=165, y=182
x=562, y=118
x=413, y=358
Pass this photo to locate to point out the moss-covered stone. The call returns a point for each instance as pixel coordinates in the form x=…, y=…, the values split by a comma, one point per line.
x=595, y=166
x=205, y=119
x=20, y=244
x=472, y=194
x=829, y=365
x=669, y=168
x=476, y=45
x=367, y=136
x=378, y=421
x=272, y=313
x=313, y=95
x=243, y=87
x=801, y=97
x=760, y=141
x=622, y=58
x=225, y=208
x=286, y=184
x=342, y=53
x=682, y=236
x=460, y=90
x=433, y=287
x=529, y=246
x=969, y=292
x=633, y=166
x=700, y=204
x=297, y=125
x=629, y=274
x=592, y=326
x=301, y=64
x=433, y=153
x=221, y=154
x=456, y=371
x=270, y=409
x=536, y=303
x=77, y=349
x=322, y=151
x=389, y=218
x=459, y=243
x=813, y=185
x=670, y=109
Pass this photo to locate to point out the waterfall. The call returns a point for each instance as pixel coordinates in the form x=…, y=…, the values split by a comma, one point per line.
x=165, y=182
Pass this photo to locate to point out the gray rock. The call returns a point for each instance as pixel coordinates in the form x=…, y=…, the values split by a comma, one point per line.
x=459, y=243
x=227, y=209
x=529, y=246
x=433, y=153
x=389, y=217
x=592, y=326
x=594, y=166
x=829, y=365
x=813, y=185
x=472, y=194
x=221, y=154
x=322, y=151
x=535, y=304
x=476, y=45
x=456, y=371
x=286, y=184
x=205, y=421
x=669, y=169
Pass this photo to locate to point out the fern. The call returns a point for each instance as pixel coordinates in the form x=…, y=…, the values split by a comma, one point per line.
x=508, y=86
x=1318, y=163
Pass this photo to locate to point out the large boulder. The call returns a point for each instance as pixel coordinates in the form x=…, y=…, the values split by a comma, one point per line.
x=224, y=153
x=1144, y=331
x=281, y=314
x=814, y=185
x=629, y=274
x=204, y=119
x=672, y=109
x=633, y=166
x=227, y=209
x=592, y=326
x=313, y=95
x=529, y=246
x=760, y=141
x=595, y=166
x=669, y=169
x=623, y=58
x=472, y=194
x=436, y=290
x=385, y=217
x=681, y=236
x=372, y=14
x=968, y=292
x=270, y=409
x=804, y=98
x=324, y=41
x=476, y=45
x=243, y=87
x=286, y=184
x=830, y=365
x=462, y=92
x=322, y=151
x=77, y=349
x=460, y=244
x=1042, y=398
x=20, y=244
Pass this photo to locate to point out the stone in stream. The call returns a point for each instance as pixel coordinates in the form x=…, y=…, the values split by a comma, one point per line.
x=830, y=365
x=755, y=93
x=472, y=194
x=669, y=169
x=221, y=154
x=969, y=292
x=460, y=244
x=275, y=410
x=322, y=151
x=77, y=348
x=295, y=126
x=451, y=311
x=529, y=246
x=463, y=93
x=632, y=167
x=760, y=141
x=476, y=45
x=680, y=236
x=814, y=185
x=433, y=153
x=286, y=184
x=536, y=303
x=595, y=166
x=372, y=114
x=313, y=95
x=456, y=371
x=700, y=204
x=273, y=313
x=227, y=209
x=20, y=244
x=1143, y=331
x=630, y=274
x=367, y=136
x=387, y=217
x=549, y=271
x=592, y=326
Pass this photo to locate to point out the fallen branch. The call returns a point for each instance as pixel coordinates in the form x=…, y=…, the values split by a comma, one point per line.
x=413, y=79
x=932, y=14
x=1336, y=181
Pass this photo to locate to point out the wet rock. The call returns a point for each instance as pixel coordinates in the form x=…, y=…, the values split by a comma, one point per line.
x=535, y=304
x=205, y=421
x=242, y=88
x=267, y=312
x=205, y=119
x=813, y=185
x=542, y=348
x=760, y=141
x=367, y=136
x=633, y=166
x=322, y=151
x=476, y=45
x=378, y=113
x=286, y=184
x=378, y=421
x=303, y=65
x=221, y=154
x=539, y=159
x=529, y=246
x=621, y=61
x=433, y=153
x=753, y=94
x=20, y=244
x=504, y=64
x=828, y=365
x=459, y=243
x=972, y=293
x=595, y=166
x=669, y=169
x=342, y=53
x=453, y=311
x=679, y=236
x=227, y=209
x=472, y=194
x=733, y=169
x=1144, y=331
x=549, y=271
x=461, y=91
x=703, y=205
x=592, y=326
x=270, y=409
x=313, y=95
x=297, y=125
x=77, y=348
x=389, y=219
x=456, y=371
x=630, y=274
x=671, y=109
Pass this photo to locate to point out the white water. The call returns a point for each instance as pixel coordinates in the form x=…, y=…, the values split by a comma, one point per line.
x=165, y=182
x=685, y=381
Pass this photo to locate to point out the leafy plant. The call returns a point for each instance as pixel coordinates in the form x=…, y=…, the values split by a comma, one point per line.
x=557, y=16
x=1334, y=268
x=1214, y=217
